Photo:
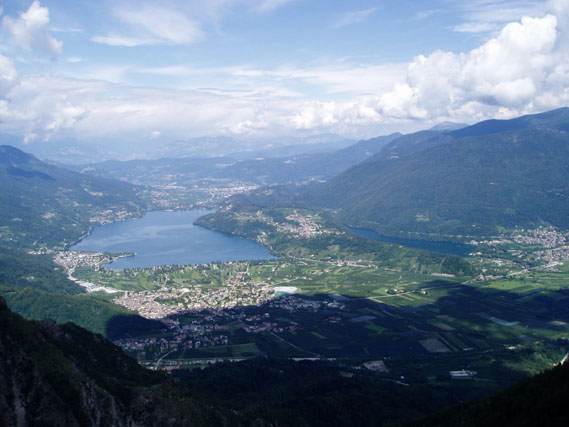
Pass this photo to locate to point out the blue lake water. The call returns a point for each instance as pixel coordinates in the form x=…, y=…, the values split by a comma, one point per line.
x=166, y=238
x=429, y=245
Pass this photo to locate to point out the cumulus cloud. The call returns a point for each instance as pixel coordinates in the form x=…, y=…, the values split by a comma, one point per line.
x=30, y=31
x=339, y=116
x=40, y=107
x=521, y=70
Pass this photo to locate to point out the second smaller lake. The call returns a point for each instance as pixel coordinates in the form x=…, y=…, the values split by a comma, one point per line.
x=459, y=249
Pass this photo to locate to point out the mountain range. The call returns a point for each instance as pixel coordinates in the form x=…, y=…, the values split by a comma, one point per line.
x=42, y=208
x=42, y=205
x=472, y=181
x=185, y=171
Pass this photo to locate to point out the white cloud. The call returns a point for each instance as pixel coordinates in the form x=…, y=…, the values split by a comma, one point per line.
x=175, y=22
x=483, y=16
x=424, y=14
x=67, y=30
x=164, y=24
x=36, y=108
x=353, y=17
x=105, y=73
x=8, y=75
x=474, y=27
x=270, y=5
x=333, y=79
x=522, y=69
x=30, y=31
x=117, y=40
x=152, y=25
x=341, y=78
x=338, y=116
x=39, y=108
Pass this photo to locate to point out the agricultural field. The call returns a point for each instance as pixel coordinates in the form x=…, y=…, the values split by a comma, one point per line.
x=497, y=328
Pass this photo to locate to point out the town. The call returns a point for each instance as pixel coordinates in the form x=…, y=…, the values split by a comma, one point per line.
x=194, y=329
x=155, y=304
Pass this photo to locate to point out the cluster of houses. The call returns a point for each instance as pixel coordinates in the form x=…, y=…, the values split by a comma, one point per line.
x=198, y=334
x=155, y=304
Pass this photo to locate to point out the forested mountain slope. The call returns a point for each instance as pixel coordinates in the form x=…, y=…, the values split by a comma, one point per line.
x=467, y=182
x=44, y=205
x=63, y=375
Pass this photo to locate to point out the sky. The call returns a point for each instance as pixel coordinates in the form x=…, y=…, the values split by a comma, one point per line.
x=144, y=72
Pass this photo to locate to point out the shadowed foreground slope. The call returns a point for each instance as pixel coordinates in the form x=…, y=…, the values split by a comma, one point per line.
x=64, y=375
x=541, y=400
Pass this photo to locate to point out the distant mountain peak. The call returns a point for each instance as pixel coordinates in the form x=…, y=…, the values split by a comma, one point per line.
x=10, y=154
x=554, y=119
x=448, y=126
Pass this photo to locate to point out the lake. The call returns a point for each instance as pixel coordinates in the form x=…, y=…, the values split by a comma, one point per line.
x=167, y=238
x=429, y=245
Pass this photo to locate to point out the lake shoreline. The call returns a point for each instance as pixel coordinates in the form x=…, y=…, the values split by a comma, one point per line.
x=169, y=238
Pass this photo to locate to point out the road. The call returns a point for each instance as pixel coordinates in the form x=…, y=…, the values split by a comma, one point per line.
x=161, y=358
x=294, y=346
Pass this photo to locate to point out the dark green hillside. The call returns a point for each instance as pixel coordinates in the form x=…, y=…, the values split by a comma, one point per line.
x=313, y=394
x=43, y=205
x=468, y=185
x=64, y=375
x=539, y=401
x=36, y=288
x=21, y=270
x=411, y=143
x=90, y=312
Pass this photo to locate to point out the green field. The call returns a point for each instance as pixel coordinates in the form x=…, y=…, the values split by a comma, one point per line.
x=502, y=329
